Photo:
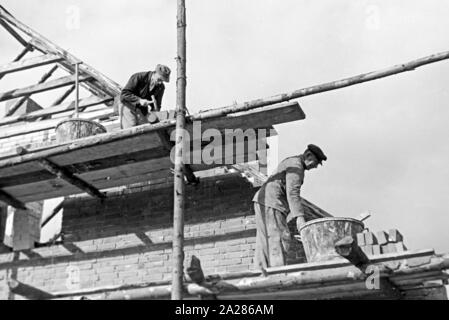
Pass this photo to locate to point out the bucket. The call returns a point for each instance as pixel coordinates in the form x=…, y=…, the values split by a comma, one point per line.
x=319, y=236
x=72, y=129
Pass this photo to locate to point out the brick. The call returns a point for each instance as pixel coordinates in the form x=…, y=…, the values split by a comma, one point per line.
x=394, y=235
x=237, y=268
x=400, y=247
x=392, y=247
x=377, y=249
x=230, y=262
x=211, y=251
x=370, y=238
x=361, y=239
x=128, y=274
x=237, y=254
x=382, y=237
x=368, y=249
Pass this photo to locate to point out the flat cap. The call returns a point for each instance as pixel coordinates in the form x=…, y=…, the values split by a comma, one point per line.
x=164, y=71
x=319, y=154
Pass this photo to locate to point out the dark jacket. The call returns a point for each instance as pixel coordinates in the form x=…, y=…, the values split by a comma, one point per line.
x=139, y=87
x=282, y=189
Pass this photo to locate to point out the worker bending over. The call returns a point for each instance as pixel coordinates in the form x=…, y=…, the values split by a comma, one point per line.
x=143, y=90
x=278, y=202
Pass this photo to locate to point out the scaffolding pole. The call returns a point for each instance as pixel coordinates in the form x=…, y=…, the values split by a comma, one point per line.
x=179, y=188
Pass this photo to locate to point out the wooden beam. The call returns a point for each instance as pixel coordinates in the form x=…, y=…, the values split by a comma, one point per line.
x=346, y=82
x=28, y=291
x=108, y=85
x=86, y=142
x=29, y=63
x=63, y=96
x=68, y=176
x=55, y=211
x=54, y=84
x=69, y=106
x=13, y=33
x=22, y=53
x=92, y=86
x=13, y=202
x=17, y=105
x=19, y=56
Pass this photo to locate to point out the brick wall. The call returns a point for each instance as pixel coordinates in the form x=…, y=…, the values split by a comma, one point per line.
x=33, y=140
x=127, y=238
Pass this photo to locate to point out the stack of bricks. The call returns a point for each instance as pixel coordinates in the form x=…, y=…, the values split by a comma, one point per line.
x=381, y=242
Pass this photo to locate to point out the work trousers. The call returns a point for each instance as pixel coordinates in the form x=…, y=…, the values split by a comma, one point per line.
x=273, y=237
x=131, y=117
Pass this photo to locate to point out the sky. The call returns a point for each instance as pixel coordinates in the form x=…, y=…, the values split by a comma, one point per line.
x=386, y=140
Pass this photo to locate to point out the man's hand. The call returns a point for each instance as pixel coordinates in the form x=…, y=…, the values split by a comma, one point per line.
x=144, y=102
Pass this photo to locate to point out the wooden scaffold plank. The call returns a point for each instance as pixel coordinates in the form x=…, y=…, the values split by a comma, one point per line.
x=8, y=199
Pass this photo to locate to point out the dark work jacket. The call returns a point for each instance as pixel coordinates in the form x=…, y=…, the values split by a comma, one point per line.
x=139, y=87
x=282, y=189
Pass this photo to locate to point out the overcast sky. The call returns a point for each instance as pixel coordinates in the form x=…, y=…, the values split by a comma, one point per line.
x=387, y=140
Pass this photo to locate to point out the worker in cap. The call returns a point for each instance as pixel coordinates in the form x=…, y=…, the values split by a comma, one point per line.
x=277, y=203
x=142, y=94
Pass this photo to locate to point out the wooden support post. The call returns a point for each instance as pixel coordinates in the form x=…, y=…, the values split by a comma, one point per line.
x=13, y=202
x=348, y=248
x=77, y=89
x=28, y=291
x=68, y=176
x=44, y=78
x=179, y=188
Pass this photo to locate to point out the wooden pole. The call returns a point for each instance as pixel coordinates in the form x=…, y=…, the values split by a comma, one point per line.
x=179, y=188
x=364, y=77
x=77, y=89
